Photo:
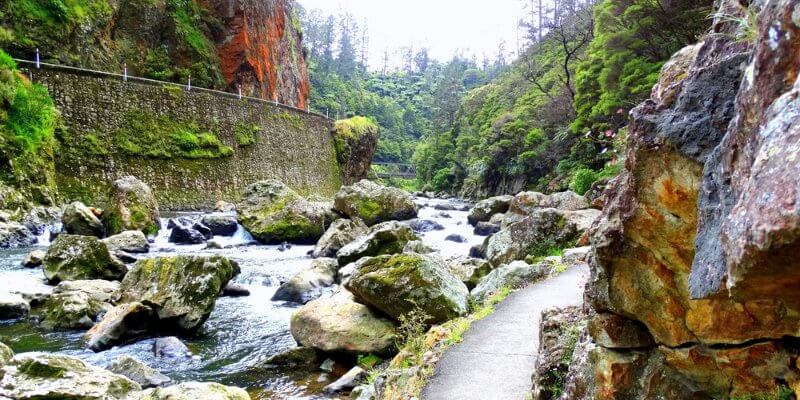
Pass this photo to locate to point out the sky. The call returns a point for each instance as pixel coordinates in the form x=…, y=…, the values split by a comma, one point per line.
x=445, y=27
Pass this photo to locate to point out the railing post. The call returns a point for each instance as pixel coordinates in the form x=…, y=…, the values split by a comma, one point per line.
x=38, y=66
x=125, y=72
x=240, y=91
x=190, y=84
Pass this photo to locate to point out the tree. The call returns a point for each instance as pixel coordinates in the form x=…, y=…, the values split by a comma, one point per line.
x=422, y=60
x=346, y=59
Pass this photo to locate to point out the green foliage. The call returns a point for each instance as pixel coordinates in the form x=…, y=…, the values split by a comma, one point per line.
x=368, y=361
x=582, y=180
x=144, y=134
x=28, y=120
x=33, y=21
x=781, y=393
x=245, y=134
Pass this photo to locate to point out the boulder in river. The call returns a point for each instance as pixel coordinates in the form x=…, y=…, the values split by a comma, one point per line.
x=13, y=306
x=385, y=238
x=424, y=225
x=182, y=290
x=121, y=324
x=339, y=324
x=513, y=276
x=354, y=377
x=6, y=354
x=401, y=283
x=186, y=231
x=33, y=259
x=374, y=203
x=56, y=376
x=310, y=283
x=220, y=225
x=195, y=391
x=485, y=209
x=73, y=257
x=128, y=242
x=78, y=219
x=170, y=347
x=419, y=247
x=273, y=213
x=295, y=358
x=340, y=233
x=539, y=233
x=527, y=203
x=132, y=206
x=76, y=304
x=138, y=372
x=455, y=238
x=13, y=234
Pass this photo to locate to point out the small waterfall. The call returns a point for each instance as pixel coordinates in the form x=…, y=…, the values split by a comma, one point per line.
x=43, y=239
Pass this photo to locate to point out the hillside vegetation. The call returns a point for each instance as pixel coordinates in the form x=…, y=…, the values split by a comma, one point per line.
x=556, y=118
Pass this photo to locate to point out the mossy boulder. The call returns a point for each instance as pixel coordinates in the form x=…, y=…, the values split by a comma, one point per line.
x=374, y=203
x=138, y=372
x=356, y=140
x=470, y=270
x=274, y=213
x=78, y=219
x=340, y=233
x=132, y=206
x=310, y=283
x=385, y=238
x=55, y=376
x=339, y=324
x=76, y=304
x=6, y=354
x=515, y=275
x=73, y=258
x=195, y=391
x=485, y=209
x=128, y=242
x=182, y=290
x=399, y=284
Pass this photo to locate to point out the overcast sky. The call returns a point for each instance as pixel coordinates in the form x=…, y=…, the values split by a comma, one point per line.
x=445, y=27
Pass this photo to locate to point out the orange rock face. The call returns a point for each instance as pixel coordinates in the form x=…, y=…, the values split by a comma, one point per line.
x=261, y=51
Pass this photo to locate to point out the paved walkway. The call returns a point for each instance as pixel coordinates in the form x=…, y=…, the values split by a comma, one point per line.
x=496, y=359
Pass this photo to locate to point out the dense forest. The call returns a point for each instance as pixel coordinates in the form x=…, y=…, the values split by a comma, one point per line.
x=552, y=119
x=411, y=102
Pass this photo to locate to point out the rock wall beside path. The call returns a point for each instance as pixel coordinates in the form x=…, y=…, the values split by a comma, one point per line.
x=696, y=238
x=265, y=141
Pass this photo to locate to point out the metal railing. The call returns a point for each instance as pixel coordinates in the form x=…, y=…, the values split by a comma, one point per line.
x=124, y=77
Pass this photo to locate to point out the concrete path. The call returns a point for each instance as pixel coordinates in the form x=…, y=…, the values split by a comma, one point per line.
x=497, y=357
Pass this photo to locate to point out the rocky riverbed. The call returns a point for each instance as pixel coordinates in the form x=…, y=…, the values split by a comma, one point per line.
x=242, y=332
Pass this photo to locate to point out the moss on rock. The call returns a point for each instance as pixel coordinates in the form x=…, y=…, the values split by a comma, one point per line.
x=73, y=257
x=132, y=207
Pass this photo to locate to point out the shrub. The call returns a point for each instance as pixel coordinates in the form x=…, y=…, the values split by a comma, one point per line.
x=582, y=180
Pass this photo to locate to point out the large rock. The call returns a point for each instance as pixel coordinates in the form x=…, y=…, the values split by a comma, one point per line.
x=195, y=391
x=131, y=207
x=558, y=336
x=469, y=270
x=73, y=257
x=614, y=331
x=348, y=381
x=356, y=140
x=76, y=304
x=53, y=376
x=402, y=283
x=138, y=372
x=13, y=306
x=339, y=324
x=310, y=283
x=374, y=203
x=182, y=290
x=6, y=354
x=170, y=347
x=340, y=233
x=80, y=220
x=13, y=234
x=385, y=238
x=527, y=203
x=120, y=325
x=221, y=225
x=516, y=275
x=33, y=259
x=538, y=234
x=274, y=213
x=485, y=209
x=186, y=231
x=128, y=242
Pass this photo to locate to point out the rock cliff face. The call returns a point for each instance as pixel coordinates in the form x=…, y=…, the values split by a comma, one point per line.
x=697, y=237
x=220, y=44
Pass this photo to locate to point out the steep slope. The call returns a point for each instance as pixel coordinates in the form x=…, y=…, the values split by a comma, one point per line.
x=218, y=43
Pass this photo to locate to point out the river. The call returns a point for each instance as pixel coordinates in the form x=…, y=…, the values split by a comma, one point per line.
x=241, y=333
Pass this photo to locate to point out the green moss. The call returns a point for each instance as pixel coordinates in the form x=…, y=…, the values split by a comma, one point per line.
x=146, y=135
x=368, y=209
x=36, y=369
x=245, y=134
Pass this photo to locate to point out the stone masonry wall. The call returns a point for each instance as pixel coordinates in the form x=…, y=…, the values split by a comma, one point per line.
x=291, y=145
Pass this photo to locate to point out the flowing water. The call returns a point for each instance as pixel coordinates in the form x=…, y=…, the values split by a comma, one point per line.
x=241, y=332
